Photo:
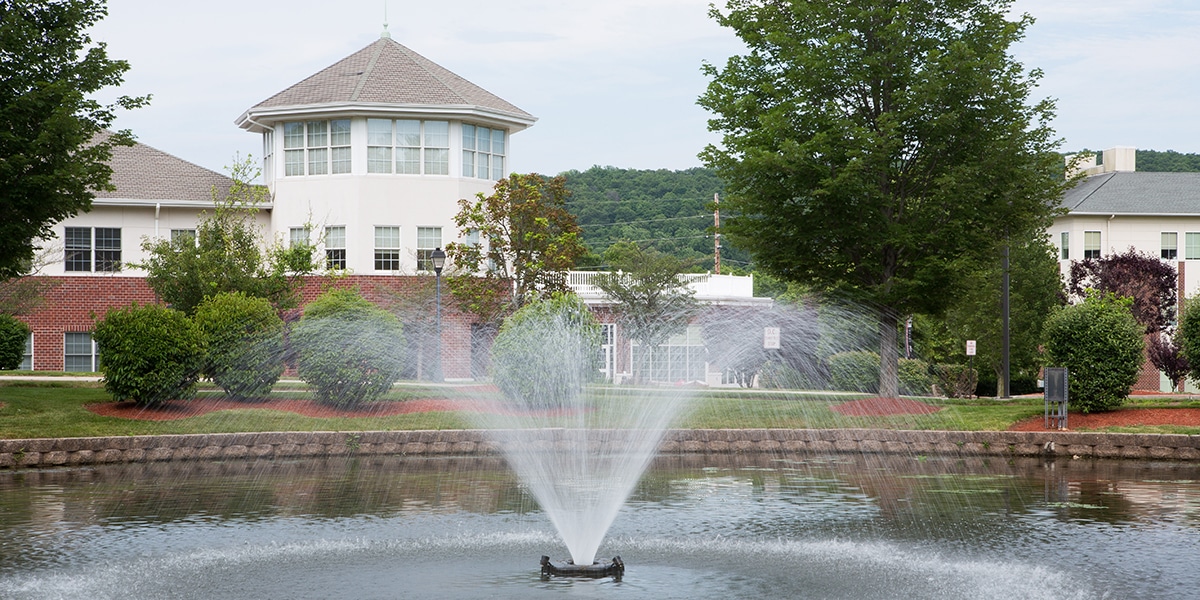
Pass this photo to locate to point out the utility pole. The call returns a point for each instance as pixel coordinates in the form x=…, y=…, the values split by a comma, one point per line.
x=717, y=233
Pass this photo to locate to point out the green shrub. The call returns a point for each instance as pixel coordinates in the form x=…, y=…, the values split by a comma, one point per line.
x=956, y=381
x=13, y=334
x=547, y=351
x=915, y=379
x=348, y=349
x=149, y=354
x=1188, y=336
x=855, y=371
x=779, y=375
x=244, y=337
x=1100, y=344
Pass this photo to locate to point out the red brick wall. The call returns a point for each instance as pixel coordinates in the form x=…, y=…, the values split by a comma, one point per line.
x=75, y=303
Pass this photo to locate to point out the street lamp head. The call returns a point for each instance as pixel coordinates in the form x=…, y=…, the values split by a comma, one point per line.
x=439, y=260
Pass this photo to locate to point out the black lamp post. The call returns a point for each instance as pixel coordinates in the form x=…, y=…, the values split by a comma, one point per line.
x=438, y=257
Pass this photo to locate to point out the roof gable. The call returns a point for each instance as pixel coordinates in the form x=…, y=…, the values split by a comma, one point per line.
x=387, y=72
x=141, y=172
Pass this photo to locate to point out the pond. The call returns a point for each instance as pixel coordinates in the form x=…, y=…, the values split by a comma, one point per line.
x=739, y=526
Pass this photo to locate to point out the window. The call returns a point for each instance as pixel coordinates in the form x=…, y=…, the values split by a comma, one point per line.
x=1192, y=249
x=298, y=236
x=1091, y=244
x=316, y=147
x=335, y=247
x=268, y=154
x=387, y=248
x=179, y=234
x=1066, y=245
x=681, y=358
x=1170, y=245
x=27, y=357
x=408, y=146
x=483, y=152
x=78, y=243
x=79, y=352
x=428, y=238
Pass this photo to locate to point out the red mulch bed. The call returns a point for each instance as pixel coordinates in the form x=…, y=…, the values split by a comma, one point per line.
x=182, y=409
x=883, y=407
x=1125, y=417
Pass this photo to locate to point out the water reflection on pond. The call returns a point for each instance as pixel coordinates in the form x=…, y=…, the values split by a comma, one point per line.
x=697, y=526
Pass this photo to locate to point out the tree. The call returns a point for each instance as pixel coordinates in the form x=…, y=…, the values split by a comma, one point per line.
x=1100, y=344
x=650, y=297
x=1149, y=281
x=228, y=254
x=1167, y=356
x=526, y=239
x=54, y=143
x=879, y=150
x=1035, y=290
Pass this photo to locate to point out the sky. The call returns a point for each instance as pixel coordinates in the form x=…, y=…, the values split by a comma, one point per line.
x=612, y=83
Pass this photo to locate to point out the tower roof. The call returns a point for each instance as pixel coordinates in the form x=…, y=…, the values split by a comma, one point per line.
x=386, y=73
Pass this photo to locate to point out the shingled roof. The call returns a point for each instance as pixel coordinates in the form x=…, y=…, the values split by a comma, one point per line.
x=387, y=72
x=1135, y=193
x=141, y=172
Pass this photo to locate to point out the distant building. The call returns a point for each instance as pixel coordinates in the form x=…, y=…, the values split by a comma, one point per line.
x=1115, y=208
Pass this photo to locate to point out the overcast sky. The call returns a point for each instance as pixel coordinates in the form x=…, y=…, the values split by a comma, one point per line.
x=612, y=82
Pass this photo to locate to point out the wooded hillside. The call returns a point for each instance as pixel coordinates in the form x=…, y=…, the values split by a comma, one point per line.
x=670, y=211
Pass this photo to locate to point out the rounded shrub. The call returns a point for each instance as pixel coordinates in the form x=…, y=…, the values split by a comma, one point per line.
x=244, y=337
x=915, y=379
x=547, y=351
x=856, y=371
x=1187, y=336
x=149, y=354
x=13, y=334
x=956, y=381
x=1100, y=344
x=348, y=349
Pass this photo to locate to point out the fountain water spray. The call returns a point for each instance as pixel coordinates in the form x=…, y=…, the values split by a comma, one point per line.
x=580, y=450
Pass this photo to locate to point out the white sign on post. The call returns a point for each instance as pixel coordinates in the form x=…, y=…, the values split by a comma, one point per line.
x=771, y=338
x=970, y=347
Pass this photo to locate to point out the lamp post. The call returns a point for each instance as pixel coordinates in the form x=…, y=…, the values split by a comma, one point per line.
x=438, y=257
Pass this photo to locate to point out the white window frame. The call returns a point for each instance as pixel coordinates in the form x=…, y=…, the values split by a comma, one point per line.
x=93, y=354
x=27, y=356
x=1169, y=245
x=1065, y=246
x=484, y=154
x=106, y=259
x=408, y=146
x=298, y=236
x=335, y=247
x=387, y=257
x=319, y=147
x=1092, y=242
x=1191, y=245
x=428, y=239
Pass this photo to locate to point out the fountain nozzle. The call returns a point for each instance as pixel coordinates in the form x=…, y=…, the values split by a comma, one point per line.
x=614, y=569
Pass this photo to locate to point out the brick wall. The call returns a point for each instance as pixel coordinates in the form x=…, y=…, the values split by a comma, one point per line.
x=73, y=304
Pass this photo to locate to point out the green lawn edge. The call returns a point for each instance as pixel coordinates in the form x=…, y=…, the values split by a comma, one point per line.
x=55, y=408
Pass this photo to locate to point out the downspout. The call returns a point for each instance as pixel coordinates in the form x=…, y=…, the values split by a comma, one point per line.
x=1108, y=231
x=157, y=210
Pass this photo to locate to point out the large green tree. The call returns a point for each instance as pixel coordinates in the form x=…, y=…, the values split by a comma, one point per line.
x=521, y=238
x=880, y=149
x=54, y=143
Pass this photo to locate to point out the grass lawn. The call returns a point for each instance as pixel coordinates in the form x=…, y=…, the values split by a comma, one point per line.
x=35, y=409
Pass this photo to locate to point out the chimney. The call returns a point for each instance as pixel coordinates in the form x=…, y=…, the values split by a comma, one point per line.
x=1120, y=158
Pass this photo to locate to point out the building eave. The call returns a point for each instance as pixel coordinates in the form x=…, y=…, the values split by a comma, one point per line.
x=164, y=203
x=257, y=120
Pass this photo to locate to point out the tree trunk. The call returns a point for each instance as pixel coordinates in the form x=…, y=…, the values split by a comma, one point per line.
x=889, y=356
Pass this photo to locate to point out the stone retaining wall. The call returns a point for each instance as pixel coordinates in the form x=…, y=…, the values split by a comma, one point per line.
x=98, y=450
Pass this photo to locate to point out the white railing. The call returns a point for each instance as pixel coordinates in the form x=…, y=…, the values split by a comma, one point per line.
x=705, y=285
